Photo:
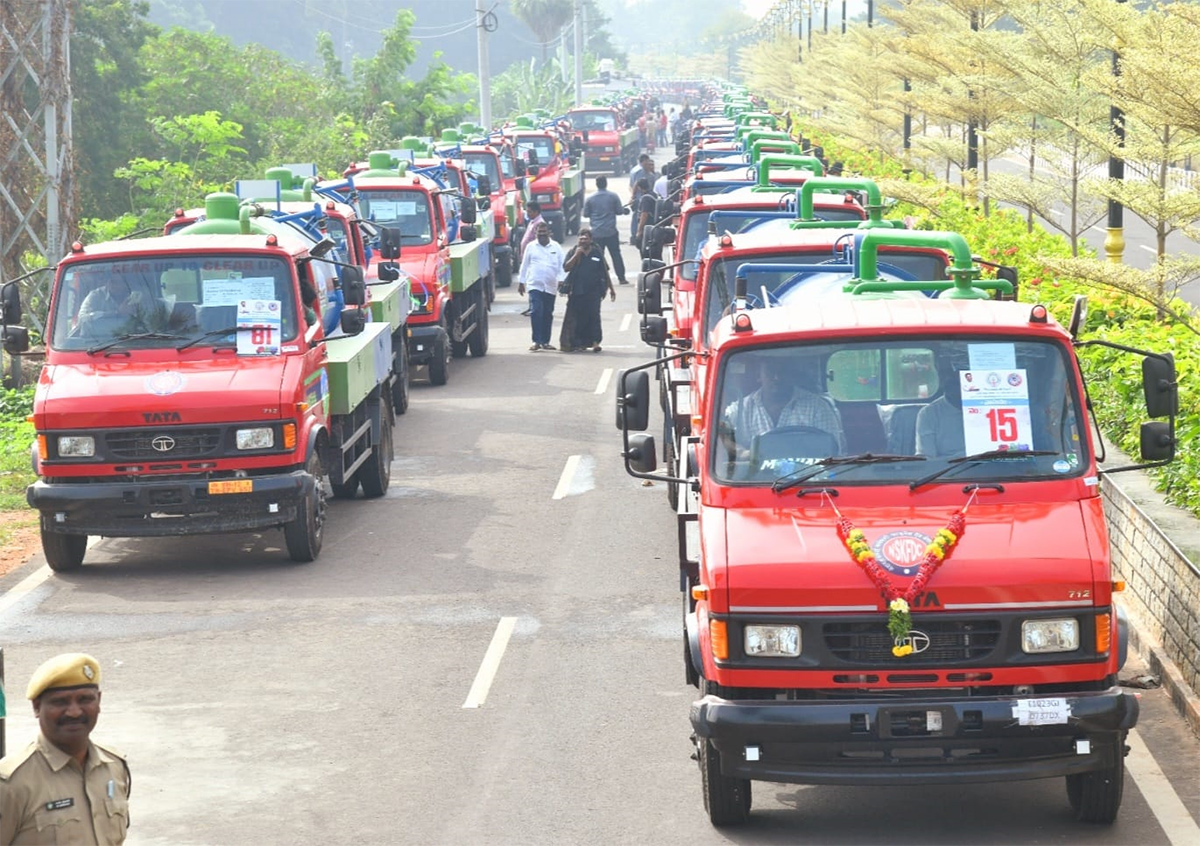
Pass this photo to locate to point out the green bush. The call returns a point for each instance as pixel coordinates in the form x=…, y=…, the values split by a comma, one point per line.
x=16, y=435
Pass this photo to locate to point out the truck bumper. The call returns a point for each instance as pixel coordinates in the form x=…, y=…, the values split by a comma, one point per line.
x=900, y=742
x=150, y=508
x=422, y=341
x=604, y=161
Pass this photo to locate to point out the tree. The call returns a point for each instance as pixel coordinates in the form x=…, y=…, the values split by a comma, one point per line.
x=545, y=17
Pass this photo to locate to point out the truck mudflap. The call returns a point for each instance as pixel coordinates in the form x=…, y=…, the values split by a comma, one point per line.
x=149, y=508
x=929, y=740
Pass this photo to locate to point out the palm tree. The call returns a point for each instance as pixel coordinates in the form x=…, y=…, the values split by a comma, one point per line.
x=545, y=17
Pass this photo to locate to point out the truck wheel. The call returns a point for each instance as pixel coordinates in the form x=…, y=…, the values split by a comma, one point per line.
x=459, y=348
x=439, y=363
x=1096, y=796
x=670, y=464
x=64, y=553
x=403, y=377
x=726, y=799
x=304, y=534
x=477, y=341
x=376, y=474
x=504, y=273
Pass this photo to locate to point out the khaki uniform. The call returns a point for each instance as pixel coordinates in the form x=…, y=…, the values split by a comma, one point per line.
x=46, y=798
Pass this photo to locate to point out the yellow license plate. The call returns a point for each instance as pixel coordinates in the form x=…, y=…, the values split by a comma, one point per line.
x=233, y=486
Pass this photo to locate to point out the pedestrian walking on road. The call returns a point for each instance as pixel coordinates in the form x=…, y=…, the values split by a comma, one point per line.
x=533, y=213
x=585, y=286
x=601, y=209
x=63, y=787
x=541, y=271
x=644, y=170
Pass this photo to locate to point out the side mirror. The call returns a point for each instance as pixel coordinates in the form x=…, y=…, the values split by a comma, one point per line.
x=483, y=184
x=534, y=170
x=1159, y=385
x=389, y=244
x=585, y=136
x=531, y=157
x=520, y=181
x=467, y=213
x=468, y=233
x=387, y=271
x=16, y=339
x=633, y=400
x=354, y=290
x=1079, y=310
x=1008, y=274
x=353, y=321
x=1157, y=444
x=654, y=330
x=642, y=455
x=520, y=170
x=10, y=304
x=650, y=293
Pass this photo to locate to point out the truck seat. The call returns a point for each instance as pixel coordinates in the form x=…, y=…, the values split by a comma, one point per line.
x=900, y=424
x=862, y=427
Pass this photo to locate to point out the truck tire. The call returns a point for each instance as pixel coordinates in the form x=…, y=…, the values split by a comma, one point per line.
x=726, y=799
x=1096, y=796
x=670, y=461
x=376, y=473
x=403, y=374
x=504, y=273
x=458, y=349
x=571, y=215
x=64, y=553
x=305, y=533
x=439, y=363
x=477, y=341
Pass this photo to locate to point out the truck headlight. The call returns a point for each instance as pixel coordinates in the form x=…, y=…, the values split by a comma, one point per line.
x=76, y=446
x=1038, y=636
x=259, y=438
x=772, y=641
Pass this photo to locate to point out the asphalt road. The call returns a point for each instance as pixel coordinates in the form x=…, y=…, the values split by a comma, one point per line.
x=349, y=700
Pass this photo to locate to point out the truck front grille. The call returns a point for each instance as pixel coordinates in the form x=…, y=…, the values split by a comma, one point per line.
x=163, y=444
x=949, y=640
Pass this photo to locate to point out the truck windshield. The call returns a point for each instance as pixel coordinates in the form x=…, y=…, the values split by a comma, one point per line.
x=719, y=285
x=783, y=408
x=602, y=121
x=400, y=209
x=541, y=146
x=695, y=227
x=166, y=300
x=485, y=164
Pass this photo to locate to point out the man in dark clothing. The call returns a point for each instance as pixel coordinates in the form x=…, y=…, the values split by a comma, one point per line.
x=644, y=215
x=601, y=209
x=587, y=282
x=644, y=170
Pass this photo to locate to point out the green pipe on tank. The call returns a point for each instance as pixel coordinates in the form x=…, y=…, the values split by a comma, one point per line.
x=747, y=135
x=963, y=272
x=811, y=163
x=774, y=147
x=766, y=117
x=804, y=203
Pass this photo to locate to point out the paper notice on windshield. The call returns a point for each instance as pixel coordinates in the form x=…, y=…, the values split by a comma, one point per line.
x=989, y=356
x=1041, y=712
x=259, y=327
x=235, y=288
x=995, y=409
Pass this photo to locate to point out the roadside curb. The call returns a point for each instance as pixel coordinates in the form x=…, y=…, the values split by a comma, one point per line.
x=1185, y=702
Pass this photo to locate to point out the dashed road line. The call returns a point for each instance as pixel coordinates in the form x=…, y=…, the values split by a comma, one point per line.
x=24, y=587
x=605, y=378
x=491, y=663
x=625, y=321
x=568, y=474
x=1156, y=789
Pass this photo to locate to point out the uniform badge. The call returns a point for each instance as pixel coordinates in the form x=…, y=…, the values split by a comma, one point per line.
x=59, y=804
x=89, y=672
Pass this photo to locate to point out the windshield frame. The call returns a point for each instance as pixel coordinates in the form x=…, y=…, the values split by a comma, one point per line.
x=393, y=195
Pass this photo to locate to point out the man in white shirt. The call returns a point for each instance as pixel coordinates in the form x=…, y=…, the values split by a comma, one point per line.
x=660, y=187
x=541, y=271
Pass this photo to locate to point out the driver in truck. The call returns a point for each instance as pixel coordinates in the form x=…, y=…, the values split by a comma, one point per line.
x=116, y=299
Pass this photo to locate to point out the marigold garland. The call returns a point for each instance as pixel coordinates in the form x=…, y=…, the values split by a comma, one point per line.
x=939, y=549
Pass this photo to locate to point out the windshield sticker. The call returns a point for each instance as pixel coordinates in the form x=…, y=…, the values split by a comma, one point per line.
x=235, y=288
x=995, y=409
x=259, y=327
x=901, y=552
x=992, y=356
x=1062, y=466
x=165, y=383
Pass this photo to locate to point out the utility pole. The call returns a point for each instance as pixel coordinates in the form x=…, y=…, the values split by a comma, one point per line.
x=485, y=79
x=1114, y=239
x=578, y=52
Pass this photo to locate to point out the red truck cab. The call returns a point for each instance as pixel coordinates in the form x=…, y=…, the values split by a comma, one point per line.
x=555, y=181
x=608, y=142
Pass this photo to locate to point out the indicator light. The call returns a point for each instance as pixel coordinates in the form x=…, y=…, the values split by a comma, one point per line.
x=718, y=633
x=742, y=323
x=1037, y=314
x=272, y=241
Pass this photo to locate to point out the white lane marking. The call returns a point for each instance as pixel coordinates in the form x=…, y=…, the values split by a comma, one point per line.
x=568, y=474
x=491, y=663
x=625, y=321
x=605, y=377
x=22, y=588
x=1149, y=249
x=1156, y=789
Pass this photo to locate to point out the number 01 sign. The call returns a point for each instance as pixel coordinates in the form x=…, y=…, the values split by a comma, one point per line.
x=259, y=326
x=995, y=408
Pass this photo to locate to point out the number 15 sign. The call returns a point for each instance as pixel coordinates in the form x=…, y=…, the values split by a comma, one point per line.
x=995, y=408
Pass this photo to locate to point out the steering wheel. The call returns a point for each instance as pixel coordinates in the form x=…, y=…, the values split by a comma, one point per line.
x=756, y=302
x=791, y=442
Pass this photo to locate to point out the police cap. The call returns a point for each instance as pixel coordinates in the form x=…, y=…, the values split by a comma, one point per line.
x=74, y=669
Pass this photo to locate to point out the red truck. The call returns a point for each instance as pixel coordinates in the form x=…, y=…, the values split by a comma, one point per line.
x=555, y=176
x=190, y=387
x=934, y=608
x=607, y=141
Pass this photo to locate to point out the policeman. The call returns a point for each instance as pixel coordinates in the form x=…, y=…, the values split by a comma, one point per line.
x=63, y=787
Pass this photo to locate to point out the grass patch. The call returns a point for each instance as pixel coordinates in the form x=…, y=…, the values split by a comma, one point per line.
x=16, y=434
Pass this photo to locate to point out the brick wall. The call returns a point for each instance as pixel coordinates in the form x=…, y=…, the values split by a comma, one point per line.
x=1163, y=586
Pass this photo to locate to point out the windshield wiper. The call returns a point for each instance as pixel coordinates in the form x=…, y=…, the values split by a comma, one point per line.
x=989, y=455
x=214, y=333
x=132, y=336
x=802, y=475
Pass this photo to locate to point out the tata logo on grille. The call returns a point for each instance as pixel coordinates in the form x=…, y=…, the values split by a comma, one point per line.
x=163, y=443
x=901, y=552
x=919, y=641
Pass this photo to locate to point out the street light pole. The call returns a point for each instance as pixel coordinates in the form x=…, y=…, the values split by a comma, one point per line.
x=1114, y=238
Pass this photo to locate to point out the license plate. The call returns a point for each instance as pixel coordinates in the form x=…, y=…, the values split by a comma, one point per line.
x=233, y=486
